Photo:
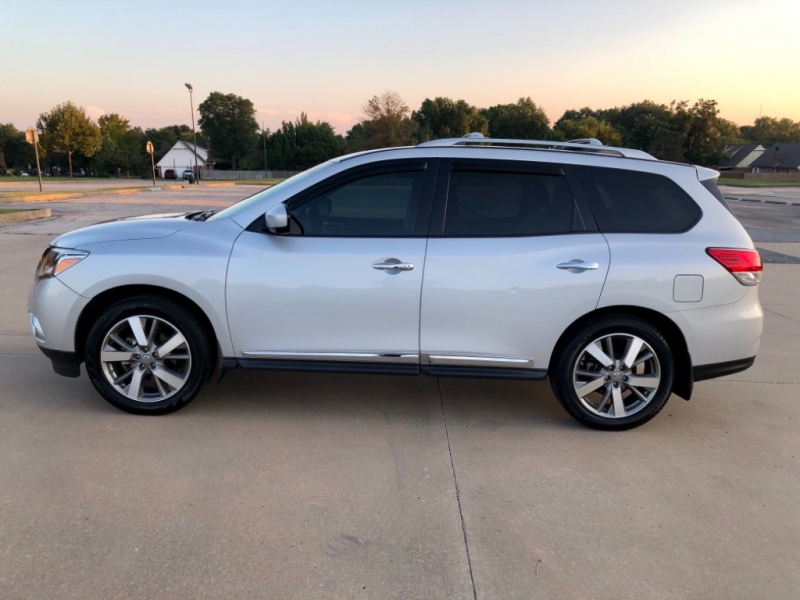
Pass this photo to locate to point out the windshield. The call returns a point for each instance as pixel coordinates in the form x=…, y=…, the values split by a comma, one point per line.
x=234, y=210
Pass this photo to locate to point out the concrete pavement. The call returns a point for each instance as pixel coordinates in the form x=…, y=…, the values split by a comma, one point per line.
x=308, y=486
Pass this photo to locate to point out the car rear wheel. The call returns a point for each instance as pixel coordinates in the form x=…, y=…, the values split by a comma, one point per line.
x=148, y=355
x=615, y=373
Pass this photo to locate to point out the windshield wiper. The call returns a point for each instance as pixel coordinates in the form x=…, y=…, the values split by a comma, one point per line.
x=201, y=215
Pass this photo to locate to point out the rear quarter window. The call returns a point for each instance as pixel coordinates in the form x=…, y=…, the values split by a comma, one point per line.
x=636, y=202
x=711, y=186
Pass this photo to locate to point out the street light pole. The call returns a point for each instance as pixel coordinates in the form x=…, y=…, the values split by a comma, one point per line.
x=264, y=135
x=194, y=133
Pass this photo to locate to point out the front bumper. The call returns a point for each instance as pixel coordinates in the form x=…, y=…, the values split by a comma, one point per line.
x=64, y=363
x=54, y=310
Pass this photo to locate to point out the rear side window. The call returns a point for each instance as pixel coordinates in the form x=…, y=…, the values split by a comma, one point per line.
x=494, y=204
x=636, y=202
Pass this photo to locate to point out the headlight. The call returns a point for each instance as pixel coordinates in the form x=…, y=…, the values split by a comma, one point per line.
x=56, y=260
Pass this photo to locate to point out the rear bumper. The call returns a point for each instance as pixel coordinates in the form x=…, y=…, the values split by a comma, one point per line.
x=64, y=363
x=711, y=371
x=729, y=334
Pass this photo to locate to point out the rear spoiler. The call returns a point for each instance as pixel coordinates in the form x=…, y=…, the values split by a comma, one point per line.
x=708, y=178
x=704, y=174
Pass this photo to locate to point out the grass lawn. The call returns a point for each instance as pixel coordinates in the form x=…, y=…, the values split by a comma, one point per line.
x=19, y=194
x=4, y=211
x=757, y=183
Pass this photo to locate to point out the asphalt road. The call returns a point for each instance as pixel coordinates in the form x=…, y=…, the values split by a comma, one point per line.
x=310, y=486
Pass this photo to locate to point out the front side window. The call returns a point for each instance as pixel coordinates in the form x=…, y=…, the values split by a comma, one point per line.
x=382, y=205
x=494, y=204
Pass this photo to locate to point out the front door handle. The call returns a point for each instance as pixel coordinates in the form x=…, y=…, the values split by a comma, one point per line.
x=392, y=264
x=576, y=265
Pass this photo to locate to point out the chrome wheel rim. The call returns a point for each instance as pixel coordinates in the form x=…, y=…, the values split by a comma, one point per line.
x=145, y=358
x=616, y=375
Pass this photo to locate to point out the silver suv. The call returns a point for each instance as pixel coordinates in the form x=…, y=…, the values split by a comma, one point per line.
x=622, y=278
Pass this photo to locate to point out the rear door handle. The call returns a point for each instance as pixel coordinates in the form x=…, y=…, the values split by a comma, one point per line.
x=576, y=265
x=392, y=264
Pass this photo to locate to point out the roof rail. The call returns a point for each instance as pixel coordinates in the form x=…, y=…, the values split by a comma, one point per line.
x=590, y=141
x=589, y=145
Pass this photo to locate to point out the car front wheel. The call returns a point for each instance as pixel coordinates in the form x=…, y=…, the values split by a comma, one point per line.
x=615, y=373
x=148, y=355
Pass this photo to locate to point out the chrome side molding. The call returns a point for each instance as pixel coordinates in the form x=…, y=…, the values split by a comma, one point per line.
x=476, y=360
x=404, y=357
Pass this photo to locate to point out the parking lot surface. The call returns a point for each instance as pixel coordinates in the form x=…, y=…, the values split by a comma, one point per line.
x=291, y=485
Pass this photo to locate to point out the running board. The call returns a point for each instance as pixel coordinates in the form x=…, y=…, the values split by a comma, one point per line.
x=378, y=368
x=484, y=372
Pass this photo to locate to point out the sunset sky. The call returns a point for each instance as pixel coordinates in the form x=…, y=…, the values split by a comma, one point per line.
x=327, y=58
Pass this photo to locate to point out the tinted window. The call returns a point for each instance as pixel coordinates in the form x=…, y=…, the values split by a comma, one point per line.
x=481, y=203
x=635, y=202
x=711, y=186
x=378, y=205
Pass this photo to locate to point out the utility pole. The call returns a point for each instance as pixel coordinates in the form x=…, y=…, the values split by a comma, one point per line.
x=264, y=135
x=194, y=133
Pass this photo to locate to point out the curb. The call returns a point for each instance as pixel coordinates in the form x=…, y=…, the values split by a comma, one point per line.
x=25, y=215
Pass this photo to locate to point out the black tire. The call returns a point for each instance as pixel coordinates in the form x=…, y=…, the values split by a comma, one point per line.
x=198, y=340
x=564, y=363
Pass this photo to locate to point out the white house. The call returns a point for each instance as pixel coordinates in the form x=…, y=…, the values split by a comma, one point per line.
x=180, y=157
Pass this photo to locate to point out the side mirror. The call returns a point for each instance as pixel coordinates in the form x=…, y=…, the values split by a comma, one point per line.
x=277, y=218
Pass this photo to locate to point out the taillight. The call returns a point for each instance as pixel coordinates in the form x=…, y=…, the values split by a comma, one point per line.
x=745, y=265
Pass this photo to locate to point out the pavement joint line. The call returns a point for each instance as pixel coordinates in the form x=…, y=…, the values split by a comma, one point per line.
x=458, y=491
x=775, y=312
x=761, y=382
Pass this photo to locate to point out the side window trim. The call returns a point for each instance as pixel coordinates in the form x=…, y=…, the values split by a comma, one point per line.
x=448, y=166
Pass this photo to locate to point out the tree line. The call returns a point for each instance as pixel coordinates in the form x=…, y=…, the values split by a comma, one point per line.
x=679, y=131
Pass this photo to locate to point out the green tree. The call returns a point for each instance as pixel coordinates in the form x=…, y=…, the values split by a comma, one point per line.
x=768, y=131
x=446, y=118
x=229, y=122
x=16, y=152
x=303, y=144
x=703, y=141
x=68, y=129
x=730, y=132
x=113, y=125
x=122, y=146
x=587, y=127
x=523, y=120
x=386, y=124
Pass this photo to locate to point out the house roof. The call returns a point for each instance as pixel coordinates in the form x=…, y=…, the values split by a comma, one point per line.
x=202, y=153
x=784, y=156
x=738, y=152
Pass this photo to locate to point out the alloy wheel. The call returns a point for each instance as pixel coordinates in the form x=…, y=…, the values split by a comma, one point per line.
x=145, y=358
x=616, y=375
